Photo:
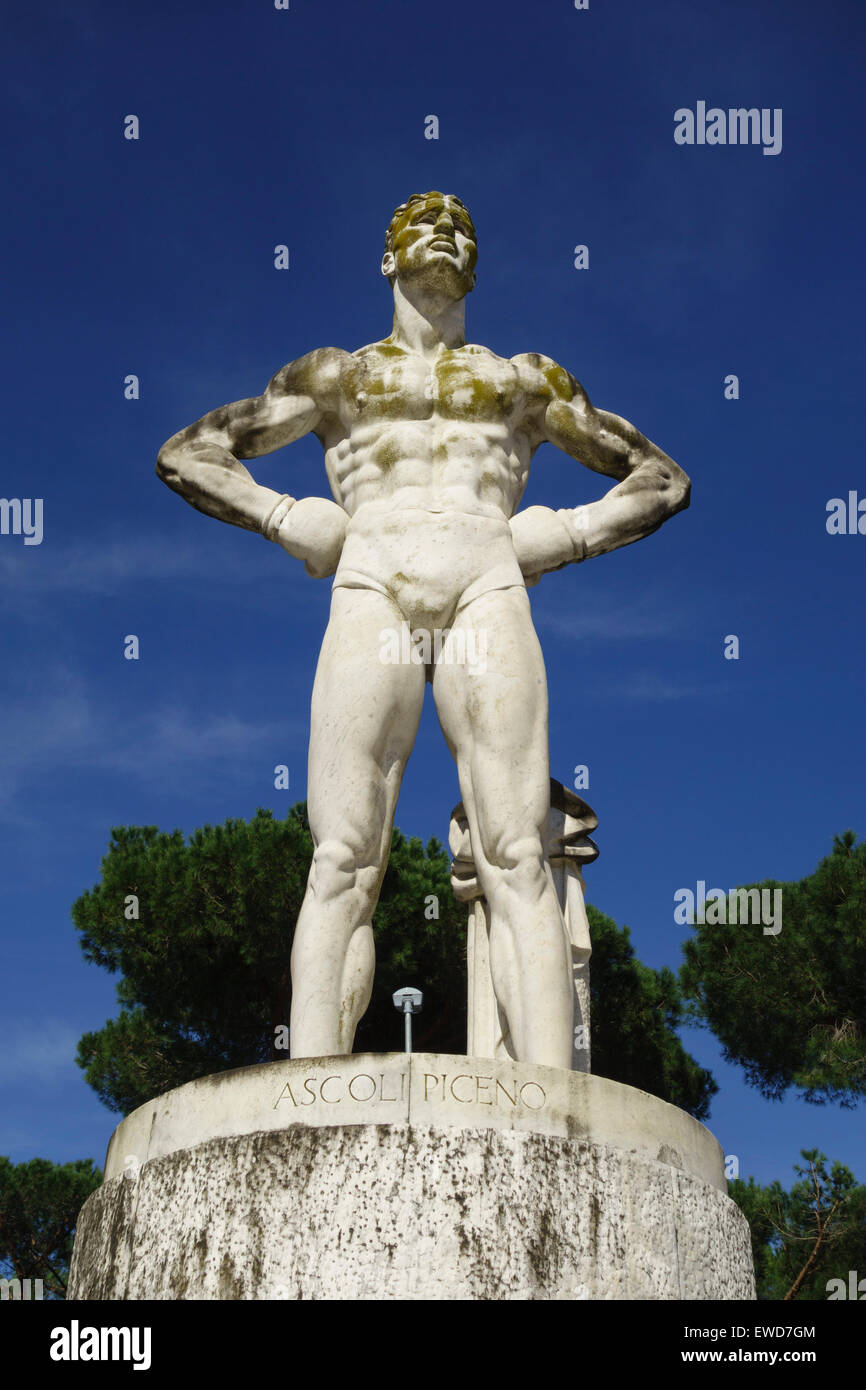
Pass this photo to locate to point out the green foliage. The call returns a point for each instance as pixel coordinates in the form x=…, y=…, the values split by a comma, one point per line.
x=205, y=976
x=412, y=949
x=791, y=1008
x=634, y=1014
x=205, y=981
x=39, y=1206
x=804, y=1238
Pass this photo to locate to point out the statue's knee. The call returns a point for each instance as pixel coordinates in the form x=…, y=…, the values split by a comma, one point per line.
x=515, y=864
x=339, y=867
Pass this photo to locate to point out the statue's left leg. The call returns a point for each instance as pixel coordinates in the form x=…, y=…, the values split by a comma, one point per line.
x=492, y=706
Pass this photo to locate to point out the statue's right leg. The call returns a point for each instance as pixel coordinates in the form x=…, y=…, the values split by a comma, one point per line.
x=364, y=719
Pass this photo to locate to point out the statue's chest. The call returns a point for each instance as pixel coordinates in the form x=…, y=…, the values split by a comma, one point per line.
x=457, y=387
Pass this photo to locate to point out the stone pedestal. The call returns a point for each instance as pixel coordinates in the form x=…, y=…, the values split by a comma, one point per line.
x=430, y=1177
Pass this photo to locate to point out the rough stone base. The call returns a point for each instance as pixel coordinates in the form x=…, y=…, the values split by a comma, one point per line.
x=375, y=1212
x=384, y=1177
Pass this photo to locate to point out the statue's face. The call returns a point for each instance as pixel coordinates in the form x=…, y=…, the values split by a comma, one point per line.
x=434, y=245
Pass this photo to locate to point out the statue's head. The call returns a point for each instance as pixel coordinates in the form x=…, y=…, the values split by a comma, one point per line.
x=430, y=242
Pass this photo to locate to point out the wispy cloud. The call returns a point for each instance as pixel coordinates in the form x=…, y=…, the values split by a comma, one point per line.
x=68, y=728
x=37, y=1050
x=103, y=565
x=606, y=620
x=649, y=685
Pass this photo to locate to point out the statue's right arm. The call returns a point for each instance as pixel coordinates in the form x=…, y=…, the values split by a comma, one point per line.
x=202, y=462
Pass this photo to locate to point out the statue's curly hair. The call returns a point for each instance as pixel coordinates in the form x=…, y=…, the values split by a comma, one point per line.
x=399, y=212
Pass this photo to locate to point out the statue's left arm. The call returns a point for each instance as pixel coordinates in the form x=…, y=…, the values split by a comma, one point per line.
x=651, y=487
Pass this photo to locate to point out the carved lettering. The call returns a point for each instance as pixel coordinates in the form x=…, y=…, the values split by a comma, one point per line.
x=483, y=1090
x=362, y=1076
x=382, y=1095
x=532, y=1086
x=478, y=1089
x=500, y=1087
x=464, y=1100
x=465, y=1087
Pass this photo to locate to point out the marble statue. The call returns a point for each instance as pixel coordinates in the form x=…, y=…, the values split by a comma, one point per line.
x=427, y=442
x=567, y=847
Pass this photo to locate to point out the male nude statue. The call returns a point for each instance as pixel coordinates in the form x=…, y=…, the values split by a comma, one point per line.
x=427, y=442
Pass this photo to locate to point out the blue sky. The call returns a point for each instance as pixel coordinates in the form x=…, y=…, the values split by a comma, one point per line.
x=155, y=257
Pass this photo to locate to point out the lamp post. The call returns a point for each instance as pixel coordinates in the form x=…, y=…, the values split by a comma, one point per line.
x=408, y=1002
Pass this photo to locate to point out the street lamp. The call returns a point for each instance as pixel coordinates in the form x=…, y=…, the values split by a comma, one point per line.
x=409, y=1002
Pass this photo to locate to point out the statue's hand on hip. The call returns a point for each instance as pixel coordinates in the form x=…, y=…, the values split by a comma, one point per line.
x=312, y=529
x=543, y=541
